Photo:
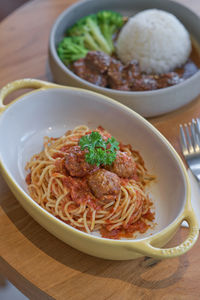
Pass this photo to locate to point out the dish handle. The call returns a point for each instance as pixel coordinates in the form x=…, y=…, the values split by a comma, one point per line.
x=146, y=248
x=26, y=83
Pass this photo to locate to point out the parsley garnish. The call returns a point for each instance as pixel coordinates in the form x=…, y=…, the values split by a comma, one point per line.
x=99, y=150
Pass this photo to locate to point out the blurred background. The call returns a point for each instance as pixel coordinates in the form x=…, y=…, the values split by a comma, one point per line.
x=8, y=6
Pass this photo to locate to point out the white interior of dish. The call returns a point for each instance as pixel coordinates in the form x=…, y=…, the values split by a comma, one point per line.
x=52, y=112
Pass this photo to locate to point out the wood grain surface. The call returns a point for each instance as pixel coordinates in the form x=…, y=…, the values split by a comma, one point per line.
x=39, y=264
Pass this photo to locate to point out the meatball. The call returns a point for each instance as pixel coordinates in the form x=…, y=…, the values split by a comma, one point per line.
x=104, y=184
x=75, y=162
x=123, y=166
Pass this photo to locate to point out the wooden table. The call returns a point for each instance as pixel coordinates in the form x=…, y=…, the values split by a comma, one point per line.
x=40, y=265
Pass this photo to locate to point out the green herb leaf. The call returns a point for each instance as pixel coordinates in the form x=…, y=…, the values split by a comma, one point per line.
x=99, y=151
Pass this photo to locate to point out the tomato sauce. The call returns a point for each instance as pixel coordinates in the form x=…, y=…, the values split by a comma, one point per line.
x=141, y=226
x=79, y=191
x=28, y=179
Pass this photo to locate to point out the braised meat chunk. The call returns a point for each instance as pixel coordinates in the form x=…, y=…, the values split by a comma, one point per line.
x=131, y=71
x=168, y=79
x=115, y=76
x=79, y=67
x=103, y=70
x=144, y=83
x=104, y=184
x=75, y=162
x=98, y=61
x=85, y=71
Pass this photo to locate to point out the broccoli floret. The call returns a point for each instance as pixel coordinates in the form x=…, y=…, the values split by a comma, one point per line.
x=71, y=49
x=109, y=22
x=89, y=29
x=91, y=33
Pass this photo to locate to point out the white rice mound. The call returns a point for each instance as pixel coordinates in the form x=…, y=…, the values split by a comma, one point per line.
x=156, y=39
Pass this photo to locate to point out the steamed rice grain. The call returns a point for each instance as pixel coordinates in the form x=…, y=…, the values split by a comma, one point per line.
x=156, y=39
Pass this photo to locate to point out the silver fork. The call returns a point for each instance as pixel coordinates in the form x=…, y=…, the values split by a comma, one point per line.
x=190, y=143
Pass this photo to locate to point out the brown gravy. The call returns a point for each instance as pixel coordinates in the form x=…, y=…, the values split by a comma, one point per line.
x=191, y=66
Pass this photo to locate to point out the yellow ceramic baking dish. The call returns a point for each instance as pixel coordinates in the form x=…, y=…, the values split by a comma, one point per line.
x=51, y=110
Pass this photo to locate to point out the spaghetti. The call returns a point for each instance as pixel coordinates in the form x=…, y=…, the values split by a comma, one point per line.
x=71, y=198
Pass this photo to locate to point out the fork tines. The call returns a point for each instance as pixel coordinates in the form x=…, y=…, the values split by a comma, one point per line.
x=190, y=137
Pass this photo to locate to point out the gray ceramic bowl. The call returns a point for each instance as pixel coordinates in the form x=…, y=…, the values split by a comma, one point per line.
x=149, y=103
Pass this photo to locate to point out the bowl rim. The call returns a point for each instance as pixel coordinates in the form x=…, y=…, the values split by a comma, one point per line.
x=114, y=92
x=82, y=234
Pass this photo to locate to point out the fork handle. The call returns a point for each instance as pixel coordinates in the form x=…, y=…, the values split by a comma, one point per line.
x=195, y=172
